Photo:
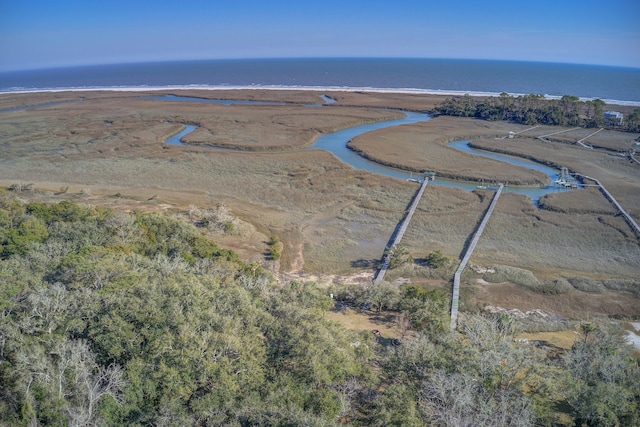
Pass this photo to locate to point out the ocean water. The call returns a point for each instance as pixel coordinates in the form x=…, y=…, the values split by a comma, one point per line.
x=448, y=76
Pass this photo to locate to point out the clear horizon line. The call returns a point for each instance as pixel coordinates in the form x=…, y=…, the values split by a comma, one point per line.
x=284, y=58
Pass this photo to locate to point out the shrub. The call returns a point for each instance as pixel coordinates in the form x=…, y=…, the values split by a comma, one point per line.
x=631, y=285
x=228, y=226
x=503, y=273
x=275, y=251
x=398, y=255
x=557, y=286
x=65, y=211
x=18, y=239
x=275, y=247
x=586, y=284
x=273, y=239
x=436, y=259
x=527, y=279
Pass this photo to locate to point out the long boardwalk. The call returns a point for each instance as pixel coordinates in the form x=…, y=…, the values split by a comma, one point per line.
x=456, y=278
x=401, y=230
x=556, y=133
x=608, y=195
x=581, y=141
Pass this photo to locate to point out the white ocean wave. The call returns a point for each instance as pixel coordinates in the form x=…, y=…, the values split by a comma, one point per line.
x=414, y=91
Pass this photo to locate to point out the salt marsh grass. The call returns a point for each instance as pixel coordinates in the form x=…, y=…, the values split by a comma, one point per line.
x=330, y=218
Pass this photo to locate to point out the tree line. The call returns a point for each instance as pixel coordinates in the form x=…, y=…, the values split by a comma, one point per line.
x=118, y=319
x=535, y=109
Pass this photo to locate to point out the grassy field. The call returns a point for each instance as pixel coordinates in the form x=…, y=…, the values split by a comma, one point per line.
x=109, y=149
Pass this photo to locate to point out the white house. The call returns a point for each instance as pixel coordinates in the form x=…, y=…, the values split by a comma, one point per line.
x=614, y=116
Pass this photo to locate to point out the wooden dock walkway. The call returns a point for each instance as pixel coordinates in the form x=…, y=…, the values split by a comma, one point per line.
x=556, y=133
x=609, y=197
x=581, y=141
x=525, y=130
x=512, y=134
x=456, y=278
x=400, y=233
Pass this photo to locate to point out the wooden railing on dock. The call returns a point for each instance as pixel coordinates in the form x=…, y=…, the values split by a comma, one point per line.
x=401, y=230
x=609, y=197
x=456, y=278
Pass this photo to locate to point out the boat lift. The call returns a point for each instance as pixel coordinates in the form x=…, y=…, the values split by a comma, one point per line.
x=566, y=180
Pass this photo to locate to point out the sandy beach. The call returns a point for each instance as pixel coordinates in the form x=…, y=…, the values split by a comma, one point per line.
x=323, y=89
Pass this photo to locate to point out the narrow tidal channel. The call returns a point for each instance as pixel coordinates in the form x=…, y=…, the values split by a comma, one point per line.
x=336, y=143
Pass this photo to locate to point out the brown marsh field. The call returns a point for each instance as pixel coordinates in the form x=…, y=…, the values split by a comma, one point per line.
x=334, y=222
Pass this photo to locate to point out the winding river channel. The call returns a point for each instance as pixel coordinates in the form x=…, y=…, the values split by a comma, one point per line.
x=336, y=143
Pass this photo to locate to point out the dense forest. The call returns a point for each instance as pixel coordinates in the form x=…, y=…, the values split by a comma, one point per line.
x=119, y=319
x=536, y=109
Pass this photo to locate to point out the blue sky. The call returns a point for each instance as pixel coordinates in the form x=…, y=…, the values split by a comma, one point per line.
x=53, y=33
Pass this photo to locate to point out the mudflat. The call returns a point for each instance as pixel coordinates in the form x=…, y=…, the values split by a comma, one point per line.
x=109, y=148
